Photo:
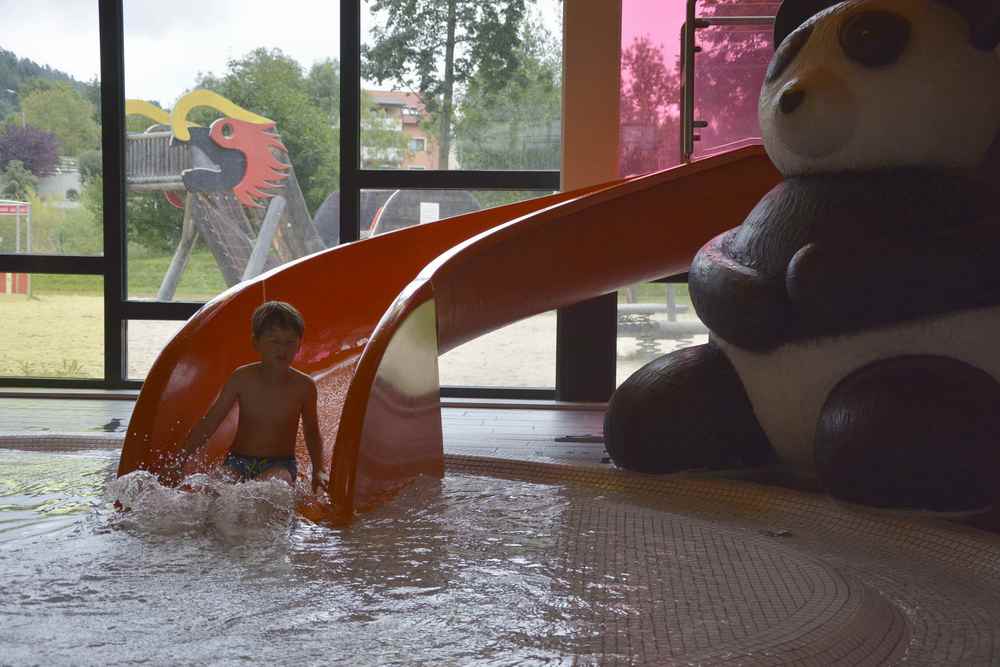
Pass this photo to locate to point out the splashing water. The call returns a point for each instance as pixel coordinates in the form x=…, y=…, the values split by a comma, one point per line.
x=203, y=504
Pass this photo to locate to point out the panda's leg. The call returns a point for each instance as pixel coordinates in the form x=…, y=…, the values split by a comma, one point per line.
x=920, y=432
x=683, y=411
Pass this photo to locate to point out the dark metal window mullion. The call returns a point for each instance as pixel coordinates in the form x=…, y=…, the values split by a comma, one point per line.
x=93, y=266
x=350, y=119
x=113, y=152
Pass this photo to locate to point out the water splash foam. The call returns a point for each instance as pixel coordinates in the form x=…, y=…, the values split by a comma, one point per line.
x=203, y=505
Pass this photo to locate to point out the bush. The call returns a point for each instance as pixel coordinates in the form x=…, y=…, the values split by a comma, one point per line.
x=18, y=182
x=37, y=149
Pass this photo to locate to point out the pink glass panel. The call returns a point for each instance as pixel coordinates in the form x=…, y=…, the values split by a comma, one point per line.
x=729, y=72
x=728, y=75
x=650, y=85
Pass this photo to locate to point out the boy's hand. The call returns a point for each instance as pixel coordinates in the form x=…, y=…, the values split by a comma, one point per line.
x=320, y=480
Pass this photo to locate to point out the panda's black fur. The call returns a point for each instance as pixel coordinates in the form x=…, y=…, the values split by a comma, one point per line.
x=843, y=255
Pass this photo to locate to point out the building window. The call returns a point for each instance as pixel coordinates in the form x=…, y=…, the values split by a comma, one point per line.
x=418, y=144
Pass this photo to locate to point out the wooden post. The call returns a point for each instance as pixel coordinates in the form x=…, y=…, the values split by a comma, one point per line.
x=264, y=238
x=181, y=256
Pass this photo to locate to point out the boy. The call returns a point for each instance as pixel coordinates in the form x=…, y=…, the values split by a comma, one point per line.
x=272, y=396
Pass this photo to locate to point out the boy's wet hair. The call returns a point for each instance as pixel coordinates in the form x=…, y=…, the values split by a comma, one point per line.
x=276, y=315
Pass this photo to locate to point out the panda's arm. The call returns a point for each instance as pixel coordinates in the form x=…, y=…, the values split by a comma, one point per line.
x=838, y=286
x=736, y=302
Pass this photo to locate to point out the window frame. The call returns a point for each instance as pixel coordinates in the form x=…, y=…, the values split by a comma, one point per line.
x=119, y=309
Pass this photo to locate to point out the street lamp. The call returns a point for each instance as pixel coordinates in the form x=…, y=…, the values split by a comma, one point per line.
x=14, y=93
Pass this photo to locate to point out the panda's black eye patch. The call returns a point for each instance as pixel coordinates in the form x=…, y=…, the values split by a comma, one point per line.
x=875, y=39
x=787, y=52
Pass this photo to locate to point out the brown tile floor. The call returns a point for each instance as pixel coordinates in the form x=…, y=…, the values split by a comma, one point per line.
x=550, y=435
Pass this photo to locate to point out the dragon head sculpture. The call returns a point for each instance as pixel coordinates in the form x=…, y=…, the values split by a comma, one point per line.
x=239, y=152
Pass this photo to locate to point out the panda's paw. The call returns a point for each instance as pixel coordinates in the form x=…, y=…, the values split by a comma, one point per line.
x=683, y=411
x=916, y=432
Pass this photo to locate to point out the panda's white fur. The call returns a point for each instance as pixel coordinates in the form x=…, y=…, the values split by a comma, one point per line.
x=939, y=105
x=788, y=386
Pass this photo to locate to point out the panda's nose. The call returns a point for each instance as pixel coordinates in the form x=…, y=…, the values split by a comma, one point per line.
x=791, y=100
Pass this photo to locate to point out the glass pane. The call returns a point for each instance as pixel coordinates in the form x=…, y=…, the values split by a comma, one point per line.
x=232, y=155
x=145, y=339
x=729, y=72
x=654, y=319
x=521, y=355
x=51, y=197
x=496, y=105
x=388, y=210
x=650, y=86
x=53, y=326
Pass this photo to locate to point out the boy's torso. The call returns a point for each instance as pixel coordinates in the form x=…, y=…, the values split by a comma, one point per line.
x=268, y=414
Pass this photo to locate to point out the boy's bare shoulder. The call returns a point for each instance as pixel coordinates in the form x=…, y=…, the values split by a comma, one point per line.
x=304, y=378
x=244, y=373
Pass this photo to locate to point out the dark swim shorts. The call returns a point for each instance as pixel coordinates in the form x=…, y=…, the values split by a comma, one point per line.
x=252, y=467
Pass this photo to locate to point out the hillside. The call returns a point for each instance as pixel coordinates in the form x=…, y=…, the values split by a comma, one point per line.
x=14, y=72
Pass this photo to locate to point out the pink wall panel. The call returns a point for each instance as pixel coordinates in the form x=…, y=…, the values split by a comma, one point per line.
x=729, y=71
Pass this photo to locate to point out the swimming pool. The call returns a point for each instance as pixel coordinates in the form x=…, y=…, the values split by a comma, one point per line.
x=472, y=569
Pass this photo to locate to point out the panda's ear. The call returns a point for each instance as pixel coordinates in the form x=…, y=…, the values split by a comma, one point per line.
x=793, y=13
x=984, y=19
x=987, y=34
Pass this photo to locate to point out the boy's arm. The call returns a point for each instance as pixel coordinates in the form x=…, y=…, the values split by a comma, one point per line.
x=204, y=429
x=314, y=440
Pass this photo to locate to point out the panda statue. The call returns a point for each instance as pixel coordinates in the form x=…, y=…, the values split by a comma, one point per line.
x=854, y=316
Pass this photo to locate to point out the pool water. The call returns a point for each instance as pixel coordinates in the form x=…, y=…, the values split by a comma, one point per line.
x=453, y=572
x=474, y=570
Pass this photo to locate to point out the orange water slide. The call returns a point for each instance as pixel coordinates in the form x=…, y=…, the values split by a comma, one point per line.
x=379, y=312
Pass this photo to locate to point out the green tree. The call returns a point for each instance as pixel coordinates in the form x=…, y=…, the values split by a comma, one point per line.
x=648, y=109
x=18, y=182
x=150, y=220
x=518, y=125
x=61, y=110
x=92, y=93
x=90, y=164
x=436, y=46
x=270, y=83
x=324, y=88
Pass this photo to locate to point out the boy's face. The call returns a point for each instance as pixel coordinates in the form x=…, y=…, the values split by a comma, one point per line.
x=277, y=346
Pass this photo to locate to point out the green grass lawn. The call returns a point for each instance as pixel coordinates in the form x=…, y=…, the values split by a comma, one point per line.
x=656, y=293
x=201, y=280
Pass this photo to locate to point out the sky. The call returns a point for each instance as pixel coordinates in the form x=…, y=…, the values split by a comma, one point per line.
x=167, y=43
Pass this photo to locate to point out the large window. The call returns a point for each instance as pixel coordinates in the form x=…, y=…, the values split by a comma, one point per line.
x=465, y=107
x=654, y=319
x=50, y=130
x=479, y=88
x=121, y=185
x=232, y=149
x=53, y=326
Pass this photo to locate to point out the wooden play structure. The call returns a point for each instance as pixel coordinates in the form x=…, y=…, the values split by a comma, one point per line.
x=233, y=181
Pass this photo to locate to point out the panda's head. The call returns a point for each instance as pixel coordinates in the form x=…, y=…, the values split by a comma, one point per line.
x=870, y=84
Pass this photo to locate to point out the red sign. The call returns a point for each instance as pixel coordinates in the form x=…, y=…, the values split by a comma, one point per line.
x=15, y=209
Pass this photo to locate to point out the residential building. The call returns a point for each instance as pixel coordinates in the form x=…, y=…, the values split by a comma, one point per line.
x=404, y=112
